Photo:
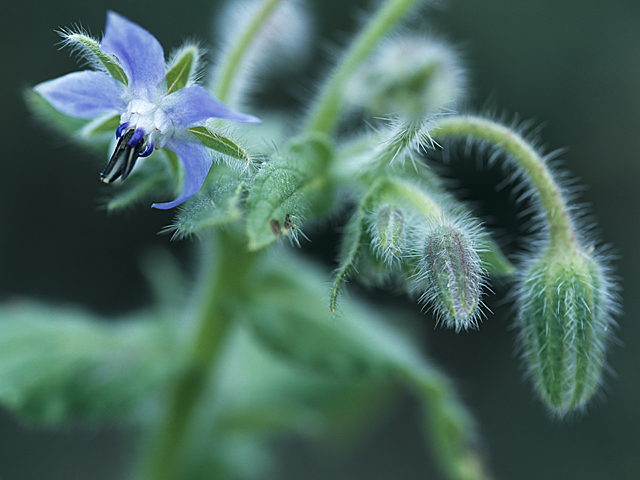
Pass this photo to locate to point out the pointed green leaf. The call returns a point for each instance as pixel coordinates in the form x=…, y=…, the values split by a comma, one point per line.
x=275, y=203
x=181, y=68
x=61, y=364
x=90, y=48
x=220, y=143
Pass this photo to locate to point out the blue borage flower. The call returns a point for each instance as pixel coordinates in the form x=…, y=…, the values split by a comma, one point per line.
x=151, y=116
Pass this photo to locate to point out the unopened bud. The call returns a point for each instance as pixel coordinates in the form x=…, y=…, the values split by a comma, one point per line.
x=565, y=318
x=388, y=232
x=412, y=75
x=454, y=276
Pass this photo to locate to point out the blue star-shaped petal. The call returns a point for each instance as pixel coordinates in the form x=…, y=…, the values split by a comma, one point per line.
x=150, y=116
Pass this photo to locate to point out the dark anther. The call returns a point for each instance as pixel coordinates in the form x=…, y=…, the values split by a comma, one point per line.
x=123, y=159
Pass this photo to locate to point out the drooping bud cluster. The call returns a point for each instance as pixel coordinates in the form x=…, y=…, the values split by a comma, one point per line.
x=452, y=275
x=564, y=319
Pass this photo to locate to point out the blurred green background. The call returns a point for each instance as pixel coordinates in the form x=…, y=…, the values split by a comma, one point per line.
x=573, y=65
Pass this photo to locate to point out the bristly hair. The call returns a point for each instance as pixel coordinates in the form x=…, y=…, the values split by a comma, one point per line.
x=71, y=39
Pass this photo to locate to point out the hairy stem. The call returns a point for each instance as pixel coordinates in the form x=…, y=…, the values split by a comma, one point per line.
x=231, y=62
x=326, y=110
x=225, y=263
x=561, y=228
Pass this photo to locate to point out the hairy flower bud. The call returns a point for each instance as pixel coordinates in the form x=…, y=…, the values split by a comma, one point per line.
x=564, y=319
x=454, y=275
x=388, y=232
x=412, y=75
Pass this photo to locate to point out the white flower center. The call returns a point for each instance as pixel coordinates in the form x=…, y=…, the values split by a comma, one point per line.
x=150, y=118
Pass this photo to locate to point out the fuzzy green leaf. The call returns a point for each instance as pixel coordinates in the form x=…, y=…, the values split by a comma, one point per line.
x=219, y=206
x=360, y=345
x=62, y=364
x=220, y=143
x=291, y=317
x=275, y=203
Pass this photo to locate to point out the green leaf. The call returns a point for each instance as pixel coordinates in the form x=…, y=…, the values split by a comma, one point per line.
x=62, y=364
x=290, y=316
x=275, y=203
x=90, y=48
x=360, y=345
x=182, y=67
x=221, y=205
x=220, y=143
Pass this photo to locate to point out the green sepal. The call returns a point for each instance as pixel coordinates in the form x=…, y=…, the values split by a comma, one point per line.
x=45, y=112
x=349, y=252
x=182, y=68
x=90, y=48
x=220, y=143
x=103, y=126
x=61, y=364
x=221, y=205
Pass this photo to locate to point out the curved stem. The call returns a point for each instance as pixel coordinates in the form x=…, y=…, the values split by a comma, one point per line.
x=325, y=113
x=561, y=228
x=231, y=62
x=225, y=263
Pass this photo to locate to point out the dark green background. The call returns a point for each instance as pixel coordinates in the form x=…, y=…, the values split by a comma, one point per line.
x=572, y=64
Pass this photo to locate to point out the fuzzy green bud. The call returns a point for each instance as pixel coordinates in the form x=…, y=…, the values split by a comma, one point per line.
x=564, y=319
x=388, y=232
x=412, y=75
x=454, y=275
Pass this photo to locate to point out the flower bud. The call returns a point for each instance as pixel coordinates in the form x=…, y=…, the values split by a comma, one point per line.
x=454, y=275
x=412, y=75
x=564, y=319
x=388, y=233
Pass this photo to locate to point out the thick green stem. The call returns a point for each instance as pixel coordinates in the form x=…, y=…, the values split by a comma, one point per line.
x=225, y=263
x=561, y=228
x=231, y=62
x=325, y=113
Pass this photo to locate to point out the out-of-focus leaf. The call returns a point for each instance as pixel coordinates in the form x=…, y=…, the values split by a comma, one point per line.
x=61, y=364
